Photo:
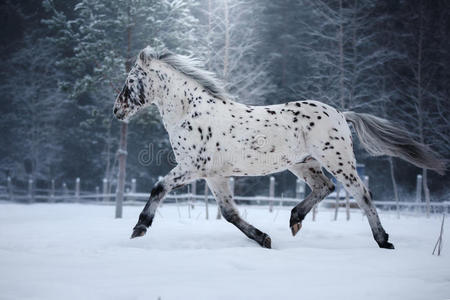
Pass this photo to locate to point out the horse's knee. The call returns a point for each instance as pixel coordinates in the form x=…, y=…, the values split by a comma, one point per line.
x=157, y=190
x=230, y=216
x=331, y=188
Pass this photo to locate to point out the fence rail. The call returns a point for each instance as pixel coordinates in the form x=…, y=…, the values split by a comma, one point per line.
x=335, y=200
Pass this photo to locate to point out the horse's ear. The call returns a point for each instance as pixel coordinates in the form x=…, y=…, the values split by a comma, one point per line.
x=143, y=56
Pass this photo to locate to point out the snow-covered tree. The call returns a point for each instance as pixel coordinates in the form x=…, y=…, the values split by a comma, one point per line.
x=230, y=46
x=36, y=108
x=102, y=39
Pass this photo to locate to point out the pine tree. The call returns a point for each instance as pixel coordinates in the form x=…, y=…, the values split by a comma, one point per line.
x=102, y=39
x=37, y=105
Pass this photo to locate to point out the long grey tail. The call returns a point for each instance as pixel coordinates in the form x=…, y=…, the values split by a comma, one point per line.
x=380, y=137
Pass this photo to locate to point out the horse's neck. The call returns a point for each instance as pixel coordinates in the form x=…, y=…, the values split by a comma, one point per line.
x=177, y=96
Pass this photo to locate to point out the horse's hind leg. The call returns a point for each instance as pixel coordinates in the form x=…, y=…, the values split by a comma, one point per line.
x=221, y=190
x=364, y=199
x=311, y=172
x=342, y=164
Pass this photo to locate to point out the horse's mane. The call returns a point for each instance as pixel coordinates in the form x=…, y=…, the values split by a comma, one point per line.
x=190, y=67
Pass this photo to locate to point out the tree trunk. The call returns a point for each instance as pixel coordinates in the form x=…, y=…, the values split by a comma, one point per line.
x=122, y=169
x=426, y=191
x=227, y=41
x=122, y=153
x=209, y=34
x=419, y=107
x=108, y=155
x=341, y=57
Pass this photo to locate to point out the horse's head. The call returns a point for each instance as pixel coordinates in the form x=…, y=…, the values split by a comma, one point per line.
x=137, y=92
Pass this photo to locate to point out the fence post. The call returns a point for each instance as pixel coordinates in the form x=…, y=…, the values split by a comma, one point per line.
x=105, y=190
x=64, y=186
x=347, y=204
x=77, y=188
x=206, y=200
x=338, y=191
x=232, y=186
x=366, y=182
x=299, y=189
x=10, y=190
x=193, y=191
x=271, y=193
x=30, y=190
x=133, y=189
x=418, y=191
x=97, y=193
x=189, y=198
x=52, y=190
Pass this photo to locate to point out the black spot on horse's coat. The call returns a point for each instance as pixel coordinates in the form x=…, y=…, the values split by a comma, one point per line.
x=311, y=124
x=366, y=200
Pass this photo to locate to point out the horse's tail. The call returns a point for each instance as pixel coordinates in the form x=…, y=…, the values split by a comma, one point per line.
x=380, y=137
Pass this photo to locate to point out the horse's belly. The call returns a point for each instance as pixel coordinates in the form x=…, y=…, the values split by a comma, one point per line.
x=254, y=163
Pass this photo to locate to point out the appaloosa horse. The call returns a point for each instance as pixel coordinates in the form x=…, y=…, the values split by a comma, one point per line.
x=214, y=137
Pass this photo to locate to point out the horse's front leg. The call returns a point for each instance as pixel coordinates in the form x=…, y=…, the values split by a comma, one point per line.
x=176, y=178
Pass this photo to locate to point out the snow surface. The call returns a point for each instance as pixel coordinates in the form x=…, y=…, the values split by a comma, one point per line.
x=79, y=251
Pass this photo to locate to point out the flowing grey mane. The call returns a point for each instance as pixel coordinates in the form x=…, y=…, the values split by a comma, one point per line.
x=190, y=67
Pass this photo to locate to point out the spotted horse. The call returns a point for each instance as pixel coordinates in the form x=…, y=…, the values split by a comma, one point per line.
x=214, y=137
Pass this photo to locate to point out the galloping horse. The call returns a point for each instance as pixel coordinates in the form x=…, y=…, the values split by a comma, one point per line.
x=214, y=137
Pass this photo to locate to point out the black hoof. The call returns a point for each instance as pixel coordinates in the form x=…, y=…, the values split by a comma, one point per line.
x=386, y=245
x=138, y=230
x=295, y=222
x=295, y=228
x=266, y=242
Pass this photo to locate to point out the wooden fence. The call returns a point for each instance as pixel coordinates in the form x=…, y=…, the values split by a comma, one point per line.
x=337, y=200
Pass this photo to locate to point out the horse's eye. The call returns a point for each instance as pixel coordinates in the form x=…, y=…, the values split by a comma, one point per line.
x=131, y=80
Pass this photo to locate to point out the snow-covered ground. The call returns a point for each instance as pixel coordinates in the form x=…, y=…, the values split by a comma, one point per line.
x=76, y=251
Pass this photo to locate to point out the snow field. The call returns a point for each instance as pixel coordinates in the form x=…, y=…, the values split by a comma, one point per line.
x=79, y=251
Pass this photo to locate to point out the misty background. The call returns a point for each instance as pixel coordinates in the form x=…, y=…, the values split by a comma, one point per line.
x=63, y=63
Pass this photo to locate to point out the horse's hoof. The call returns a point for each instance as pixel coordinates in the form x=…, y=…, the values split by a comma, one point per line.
x=267, y=242
x=138, y=231
x=386, y=245
x=295, y=228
